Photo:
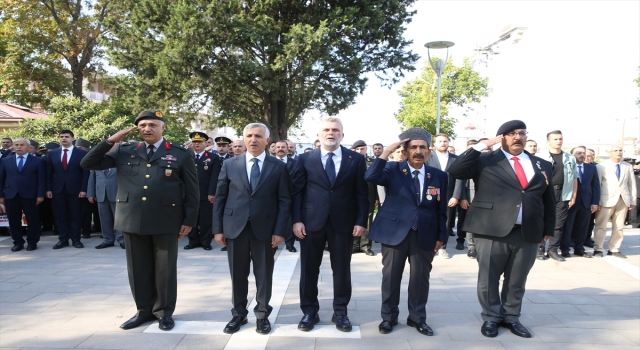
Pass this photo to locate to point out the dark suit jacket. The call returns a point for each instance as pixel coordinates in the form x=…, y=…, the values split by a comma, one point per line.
x=29, y=183
x=498, y=197
x=208, y=167
x=393, y=221
x=589, y=187
x=155, y=196
x=344, y=204
x=75, y=179
x=268, y=206
x=455, y=187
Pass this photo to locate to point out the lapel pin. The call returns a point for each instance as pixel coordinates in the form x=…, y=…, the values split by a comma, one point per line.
x=428, y=175
x=405, y=171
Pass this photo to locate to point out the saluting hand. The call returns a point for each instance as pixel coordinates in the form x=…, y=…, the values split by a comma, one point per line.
x=119, y=136
x=494, y=141
x=391, y=148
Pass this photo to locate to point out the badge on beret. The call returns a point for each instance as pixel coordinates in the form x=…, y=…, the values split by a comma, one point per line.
x=158, y=114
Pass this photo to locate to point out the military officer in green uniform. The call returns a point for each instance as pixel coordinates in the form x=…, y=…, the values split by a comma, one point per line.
x=156, y=205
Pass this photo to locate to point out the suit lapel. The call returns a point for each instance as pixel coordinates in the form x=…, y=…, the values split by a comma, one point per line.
x=345, y=163
x=504, y=163
x=408, y=177
x=141, y=151
x=241, y=168
x=267, y=167
x=434, y=162
x=316, y=160
x=537, y=172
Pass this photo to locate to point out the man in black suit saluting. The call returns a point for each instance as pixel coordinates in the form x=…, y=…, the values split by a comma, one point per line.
x=512, y=212
x=251, y=217
x=330, y=204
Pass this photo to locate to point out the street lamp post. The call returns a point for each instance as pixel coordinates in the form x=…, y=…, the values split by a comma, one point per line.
x=438, y=66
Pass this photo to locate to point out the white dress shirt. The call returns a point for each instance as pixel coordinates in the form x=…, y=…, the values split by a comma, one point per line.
x=284, y=160
x=155, y=145
x=70, y=150
x=249, y=158
x=443, y=159
x=24, y=159
x=199, y=155
x=420, y=178
x=337, y=158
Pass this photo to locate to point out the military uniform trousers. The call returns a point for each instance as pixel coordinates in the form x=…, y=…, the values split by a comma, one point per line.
x=201, y=234
x=152, y=267
x=394, y=258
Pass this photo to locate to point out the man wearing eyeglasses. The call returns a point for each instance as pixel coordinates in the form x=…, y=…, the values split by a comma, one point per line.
x=512, y=212
x=565, y=184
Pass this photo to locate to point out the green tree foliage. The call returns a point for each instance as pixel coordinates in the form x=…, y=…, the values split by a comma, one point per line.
x=258, y=61
x=88, y=120
x=48, y=47
x=460, y=86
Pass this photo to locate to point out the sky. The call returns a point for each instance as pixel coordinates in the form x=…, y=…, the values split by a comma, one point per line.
x=572, y=70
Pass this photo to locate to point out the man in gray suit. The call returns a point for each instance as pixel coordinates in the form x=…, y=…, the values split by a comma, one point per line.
x=251, y=217
x=103, y=188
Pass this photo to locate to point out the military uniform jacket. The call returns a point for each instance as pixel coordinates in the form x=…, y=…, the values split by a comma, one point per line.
x=208, y=167
x=155, y=196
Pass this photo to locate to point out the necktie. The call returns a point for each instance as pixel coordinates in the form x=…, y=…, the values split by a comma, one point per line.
x=20, y=163
x=282, y=159
x=416, y=184
x=255, y=174
x=618, y=171
x=197, y=157
x=64, y=159
x=522, y=178
x=106, y=172
x=580, y=173
x=330, y=168
x=151, y=152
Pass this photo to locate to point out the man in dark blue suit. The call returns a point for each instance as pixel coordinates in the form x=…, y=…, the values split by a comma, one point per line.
x=67, y=186
x=22, y=188
x=282, y=153
x=330, y=204
x=208, y=167
x=411, y=224
x=587, y=200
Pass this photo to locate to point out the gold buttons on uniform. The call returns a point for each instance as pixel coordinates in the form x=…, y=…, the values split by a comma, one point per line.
x=145, y=187
x=173, y=205
x=147, y=176
x=148, y=165
x=144, y=198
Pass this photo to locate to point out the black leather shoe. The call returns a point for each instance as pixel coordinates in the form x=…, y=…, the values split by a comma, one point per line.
x=617, y=254
x=223, y=249
x=370, y=252
x=489, y=329
x=422, y=327
x=291, y=248
x=86, y=235
x=307, y=322
x=104, y=245
x=555, y=256
x=542, y=257
x=17, y=247
x=460, y=246
x=263, y=326
x=386, y=327
x=235, y=323
x=122, y=245
x=166, y=323
x=136, y=321
x=582, y=254
x=61, y=244
x=565, y=254
x=77, y=244
x=31, y=246
x=517, y=328
x=472, y=254
x=342, y=323
x=588, y=244
x=207, y=247
x=190, y=246
x=597, y=254
x=356, y=250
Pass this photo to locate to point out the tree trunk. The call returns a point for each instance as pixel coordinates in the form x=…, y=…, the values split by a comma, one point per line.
x=77, y=77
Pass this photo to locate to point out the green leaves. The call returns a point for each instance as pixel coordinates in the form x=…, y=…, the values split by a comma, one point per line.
x=460, y=86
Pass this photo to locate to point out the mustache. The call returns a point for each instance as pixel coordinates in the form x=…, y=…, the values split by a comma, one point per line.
x=418, y=156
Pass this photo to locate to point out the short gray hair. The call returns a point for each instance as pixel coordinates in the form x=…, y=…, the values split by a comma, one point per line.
x=257, y=125
x=22, y=138
x=333, y=120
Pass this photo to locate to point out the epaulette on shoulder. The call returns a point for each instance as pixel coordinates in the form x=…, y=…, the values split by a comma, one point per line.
x=178, y=146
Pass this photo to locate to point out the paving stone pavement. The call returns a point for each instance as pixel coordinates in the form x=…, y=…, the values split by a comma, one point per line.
x=76, y=299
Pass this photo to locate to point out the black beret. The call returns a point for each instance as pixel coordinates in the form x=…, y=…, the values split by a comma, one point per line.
x=52, y=145
x=222, y=140
x=83, y=143
x=149, y=114
x=416, y=134
x=357, y=144
x=198, y=136
x=510, y=126
x=34, y=143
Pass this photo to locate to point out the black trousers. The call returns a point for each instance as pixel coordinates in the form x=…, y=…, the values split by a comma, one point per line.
x=575, y=228
x=592, y=224
x=311, y=251
x=393, y=261
x=241, y=251
x=462, y=234
x=68, y=211
x=46, y=215
x=562, y=209
x=15, y=206
x=152, y=268
x=290, y=240
x=90, y=216
x=201, y=234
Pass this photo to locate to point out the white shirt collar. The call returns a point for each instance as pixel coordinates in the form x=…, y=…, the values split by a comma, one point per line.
x=421, y=170
x=261, y=157
x=200, y=154
x=69, y=148
x=521, y=156
x=155, y=145
x=285, y=159
x=336, y=153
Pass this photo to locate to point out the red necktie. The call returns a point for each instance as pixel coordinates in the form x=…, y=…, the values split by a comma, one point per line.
x=64, y=159
x=522, y=178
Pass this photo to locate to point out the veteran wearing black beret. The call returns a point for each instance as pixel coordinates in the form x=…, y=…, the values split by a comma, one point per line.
x=156, y=205
x=513, y=211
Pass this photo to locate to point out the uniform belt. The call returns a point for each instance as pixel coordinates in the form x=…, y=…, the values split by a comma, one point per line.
x=557, y=187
